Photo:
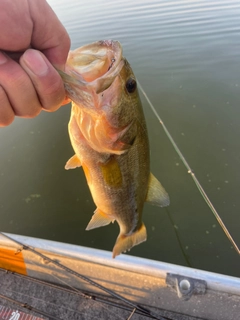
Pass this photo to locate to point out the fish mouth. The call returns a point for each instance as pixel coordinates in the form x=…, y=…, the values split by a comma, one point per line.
x=90, y=70
x=96, y=65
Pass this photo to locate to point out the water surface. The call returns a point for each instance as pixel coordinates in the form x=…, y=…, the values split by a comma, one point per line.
x=186, y=56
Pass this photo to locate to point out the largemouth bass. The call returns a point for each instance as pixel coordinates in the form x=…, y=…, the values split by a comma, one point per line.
x=108, y=133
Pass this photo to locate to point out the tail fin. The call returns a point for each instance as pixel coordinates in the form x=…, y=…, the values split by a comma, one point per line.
x=126, y=242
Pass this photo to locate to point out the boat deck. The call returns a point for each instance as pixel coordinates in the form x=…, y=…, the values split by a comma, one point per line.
x=25, y=298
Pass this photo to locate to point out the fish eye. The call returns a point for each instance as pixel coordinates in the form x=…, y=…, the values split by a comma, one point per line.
x=131, y=85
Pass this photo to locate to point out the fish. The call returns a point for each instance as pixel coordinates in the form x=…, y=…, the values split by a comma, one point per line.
x=108, y=133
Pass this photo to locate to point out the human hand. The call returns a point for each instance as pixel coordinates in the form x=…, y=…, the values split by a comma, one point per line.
x=32, y=41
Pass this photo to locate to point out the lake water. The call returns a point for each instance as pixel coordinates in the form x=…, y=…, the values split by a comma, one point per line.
x=186, y=55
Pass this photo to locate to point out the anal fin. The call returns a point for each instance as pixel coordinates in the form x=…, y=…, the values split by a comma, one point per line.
x=73, y=163
x=156, y=194
x=99, y=219
x=126, y=242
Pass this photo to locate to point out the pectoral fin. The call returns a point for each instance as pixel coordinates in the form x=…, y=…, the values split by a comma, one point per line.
x=73, y=163
x=156, y=194
x=126, y=242
x=99, y=219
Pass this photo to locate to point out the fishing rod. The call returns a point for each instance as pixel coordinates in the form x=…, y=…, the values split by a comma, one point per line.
x=190, y=171
x=140, y=309
x=27, y=307
x=72, y=290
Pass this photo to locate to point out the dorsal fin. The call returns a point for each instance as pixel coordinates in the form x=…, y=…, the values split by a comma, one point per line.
x=156, y=194
x=99, y=219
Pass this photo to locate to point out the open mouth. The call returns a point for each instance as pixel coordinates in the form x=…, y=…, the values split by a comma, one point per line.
x=92, y=69
x=95, y=60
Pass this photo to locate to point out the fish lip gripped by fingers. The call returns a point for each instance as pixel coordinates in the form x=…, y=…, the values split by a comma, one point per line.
x=92, y=69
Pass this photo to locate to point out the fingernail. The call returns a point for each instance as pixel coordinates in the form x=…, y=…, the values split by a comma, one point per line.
x=35, y=62
x=3, y=58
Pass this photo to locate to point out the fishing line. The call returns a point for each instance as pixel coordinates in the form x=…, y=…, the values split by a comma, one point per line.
x=190, y=171
x=178, y=238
